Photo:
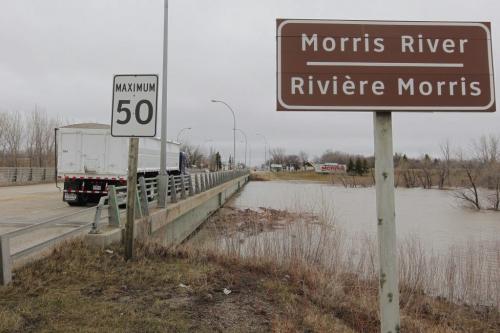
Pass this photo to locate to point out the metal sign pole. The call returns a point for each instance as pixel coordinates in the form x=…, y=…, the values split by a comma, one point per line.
x=133, y=152
x=163, y=178
x=386, y=223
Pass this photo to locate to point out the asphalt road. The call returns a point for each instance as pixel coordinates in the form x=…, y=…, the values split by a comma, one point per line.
x=22, y=206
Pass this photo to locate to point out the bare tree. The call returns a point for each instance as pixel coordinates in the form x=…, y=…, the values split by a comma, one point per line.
x=293, y=161
x=426, y=176
x=493, y=174
x=13, y=136
x=304, y=158
x=472, y=169
x=194, y=154
x=407, y=172
x=486, y=149
x=444, y=164
x=278, y=156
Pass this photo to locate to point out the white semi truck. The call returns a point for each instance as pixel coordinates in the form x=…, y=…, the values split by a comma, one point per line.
x=89, y=160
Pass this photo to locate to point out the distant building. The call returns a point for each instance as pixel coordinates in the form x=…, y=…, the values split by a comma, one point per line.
x=276, y=167
x=330, y=168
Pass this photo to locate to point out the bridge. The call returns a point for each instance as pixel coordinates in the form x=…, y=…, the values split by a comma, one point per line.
x=35, y=219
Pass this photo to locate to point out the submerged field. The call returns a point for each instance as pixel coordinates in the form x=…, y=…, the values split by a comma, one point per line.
x=311, y=176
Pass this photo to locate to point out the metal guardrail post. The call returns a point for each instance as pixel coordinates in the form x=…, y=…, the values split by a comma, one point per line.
x=97, y=216
x=191, y=189
x=173, y=190
x=197, y=183
x=208, y=181
x=183, y=187
x=202, y=182
x=137, y=207
x=5, y=262
x=144, y=196
x=113, y=209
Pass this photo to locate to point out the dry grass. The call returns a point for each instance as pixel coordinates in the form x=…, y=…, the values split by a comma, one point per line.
x=78, y=289
x=438, y=293
x=286, y=273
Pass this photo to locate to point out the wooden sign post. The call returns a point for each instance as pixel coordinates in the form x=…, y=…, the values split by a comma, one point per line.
x=133, y=151
x=133, y=115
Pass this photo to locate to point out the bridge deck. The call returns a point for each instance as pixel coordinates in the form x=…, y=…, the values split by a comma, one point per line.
x=22, y=206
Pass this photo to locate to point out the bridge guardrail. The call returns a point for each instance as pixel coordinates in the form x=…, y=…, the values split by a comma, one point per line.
x=25, y=175
x=179, y=188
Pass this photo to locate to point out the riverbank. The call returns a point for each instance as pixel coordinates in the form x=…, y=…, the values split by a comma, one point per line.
x=187, y=290
x=341, y=179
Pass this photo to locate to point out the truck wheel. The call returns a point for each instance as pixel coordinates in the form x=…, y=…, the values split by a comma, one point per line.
x=81, y=201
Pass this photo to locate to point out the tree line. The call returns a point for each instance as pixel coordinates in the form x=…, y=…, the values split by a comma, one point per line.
x=27, y=140
x=472, y=173
x=198, y=159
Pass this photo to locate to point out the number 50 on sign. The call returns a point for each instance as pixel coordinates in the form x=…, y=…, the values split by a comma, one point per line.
x=135, y=99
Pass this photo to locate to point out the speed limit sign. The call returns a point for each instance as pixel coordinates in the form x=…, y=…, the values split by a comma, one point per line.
x=135, y=100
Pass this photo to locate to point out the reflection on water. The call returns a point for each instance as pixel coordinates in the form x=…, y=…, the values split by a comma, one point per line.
x=433, y=216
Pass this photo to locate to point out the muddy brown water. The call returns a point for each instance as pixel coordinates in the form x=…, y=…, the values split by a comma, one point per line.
x=443, y=228
x=433, y=216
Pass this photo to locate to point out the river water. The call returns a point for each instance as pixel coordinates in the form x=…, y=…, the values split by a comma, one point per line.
x=433, y=216
x=457, y=251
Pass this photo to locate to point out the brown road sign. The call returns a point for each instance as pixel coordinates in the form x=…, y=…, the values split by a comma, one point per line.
x=325, y=65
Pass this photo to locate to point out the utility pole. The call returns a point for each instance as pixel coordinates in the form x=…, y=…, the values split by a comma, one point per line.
x=234, y=130
x=163, y=177
x=265, y=149
x=180, y=132
x=246, y=146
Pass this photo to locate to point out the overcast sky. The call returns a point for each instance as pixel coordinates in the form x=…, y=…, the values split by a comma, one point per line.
x=62, y=54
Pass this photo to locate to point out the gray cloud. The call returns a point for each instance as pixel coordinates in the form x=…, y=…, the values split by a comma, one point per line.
x=62, y=55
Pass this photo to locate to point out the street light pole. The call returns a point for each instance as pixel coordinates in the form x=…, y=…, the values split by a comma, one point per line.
x=182, y=130
x=246, y=146
x=234, y=129
x=265, y=149
x=163, y=178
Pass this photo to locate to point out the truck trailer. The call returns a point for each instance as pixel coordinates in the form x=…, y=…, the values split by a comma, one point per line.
x=89, y=160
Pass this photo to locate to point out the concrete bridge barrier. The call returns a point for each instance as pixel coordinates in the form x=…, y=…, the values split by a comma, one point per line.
x=192, y=199
x=179, y=220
